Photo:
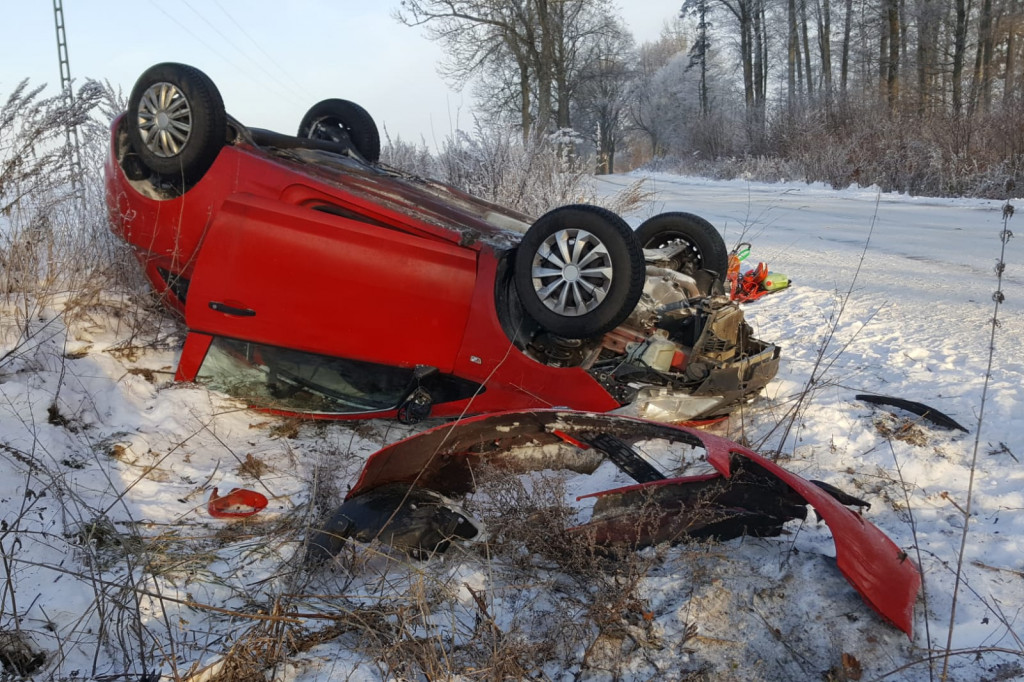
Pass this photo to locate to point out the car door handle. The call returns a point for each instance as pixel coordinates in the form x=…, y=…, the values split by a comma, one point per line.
x=231, y=310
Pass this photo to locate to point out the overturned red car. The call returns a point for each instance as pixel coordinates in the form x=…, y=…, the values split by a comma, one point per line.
x=315, y=280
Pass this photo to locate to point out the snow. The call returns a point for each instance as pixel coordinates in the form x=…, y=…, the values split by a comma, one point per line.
x=128, y=459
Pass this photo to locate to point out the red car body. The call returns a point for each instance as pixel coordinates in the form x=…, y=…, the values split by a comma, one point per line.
x=256, y=220
x=314, y=282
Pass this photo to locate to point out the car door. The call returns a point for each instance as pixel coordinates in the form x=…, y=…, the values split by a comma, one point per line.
x=294, y=277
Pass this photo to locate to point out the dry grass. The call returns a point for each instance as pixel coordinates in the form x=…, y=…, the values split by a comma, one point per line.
x=57, y=254
x=496, y=165
x=530, y=599
x=905, y=430
x=930, y=154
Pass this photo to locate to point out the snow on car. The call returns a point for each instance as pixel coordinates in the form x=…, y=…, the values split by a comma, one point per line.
x=316, y=281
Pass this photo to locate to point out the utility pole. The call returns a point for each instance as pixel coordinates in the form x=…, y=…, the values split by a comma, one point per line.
x=69, y=96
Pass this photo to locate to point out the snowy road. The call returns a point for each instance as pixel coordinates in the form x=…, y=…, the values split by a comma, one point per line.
x=817, y=234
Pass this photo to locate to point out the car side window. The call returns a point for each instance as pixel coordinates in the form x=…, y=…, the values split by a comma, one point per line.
x=295, y=381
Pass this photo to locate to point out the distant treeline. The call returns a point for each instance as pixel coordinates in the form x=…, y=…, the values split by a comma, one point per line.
x=921, y=96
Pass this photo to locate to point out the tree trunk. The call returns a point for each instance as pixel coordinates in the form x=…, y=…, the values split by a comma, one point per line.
x=746, y=54
x=525, y=102
x=760, y=53
x=545, y=63
x=844, y=68
x=892, y=72
x=883, y=59
x=524, y=107
x=792, y=56
x=747, y=13
x=983, y=68
x=807, y=51
x=705, y=104
x=926, y=39
x=901, y=10
x=1010, y=65
x=558, y=60
x=959, y=53
x=824, y=16
x=606, y=154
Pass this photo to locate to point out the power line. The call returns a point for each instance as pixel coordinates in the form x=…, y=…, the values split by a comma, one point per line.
x=244, y=54
x=259, y=47
x=189, y=31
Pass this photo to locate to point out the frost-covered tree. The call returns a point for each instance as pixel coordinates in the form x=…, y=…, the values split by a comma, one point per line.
x=603, y=93
x=654, y=98
x=529, y=54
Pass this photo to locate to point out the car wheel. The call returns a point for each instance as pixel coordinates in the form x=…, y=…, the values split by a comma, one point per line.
x=705, y=248
x=176, y=122
x=579, y=271
x=344, y=122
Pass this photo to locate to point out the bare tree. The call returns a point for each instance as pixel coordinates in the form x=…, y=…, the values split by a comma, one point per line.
x=538, y=48
x=890, y=52
x=545, y=64
x=928, y=22
x=959, y=52
x=750, y=22
x=808, y=71
x=700, y=10
x=745, y=13
x=792, y=55
x=1013, y=25
x=823, y=15
x=603, y=94
x=845, y=59
x=982, y=91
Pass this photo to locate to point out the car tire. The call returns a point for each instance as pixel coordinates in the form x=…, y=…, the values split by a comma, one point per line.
x=176, y=122
x=705, y=246
x=338, y=120
x=548, y=283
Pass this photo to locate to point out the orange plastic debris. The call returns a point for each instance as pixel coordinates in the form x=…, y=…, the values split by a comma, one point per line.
x=237, y=504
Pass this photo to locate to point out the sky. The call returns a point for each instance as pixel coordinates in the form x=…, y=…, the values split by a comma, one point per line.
x=270, y=60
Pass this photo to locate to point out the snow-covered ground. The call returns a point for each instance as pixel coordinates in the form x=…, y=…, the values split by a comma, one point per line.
x=96, y=442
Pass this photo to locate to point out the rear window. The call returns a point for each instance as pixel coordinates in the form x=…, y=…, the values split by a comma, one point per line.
x=296, y=381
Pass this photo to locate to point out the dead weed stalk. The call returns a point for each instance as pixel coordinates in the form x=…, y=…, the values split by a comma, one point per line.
x=818, y=370
x=997, y=298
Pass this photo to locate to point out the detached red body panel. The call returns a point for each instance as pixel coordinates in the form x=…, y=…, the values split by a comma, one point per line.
x=444, y=458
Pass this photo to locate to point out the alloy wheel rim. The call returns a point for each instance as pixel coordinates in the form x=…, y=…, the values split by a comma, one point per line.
x=164, y=119
x=572, y=272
